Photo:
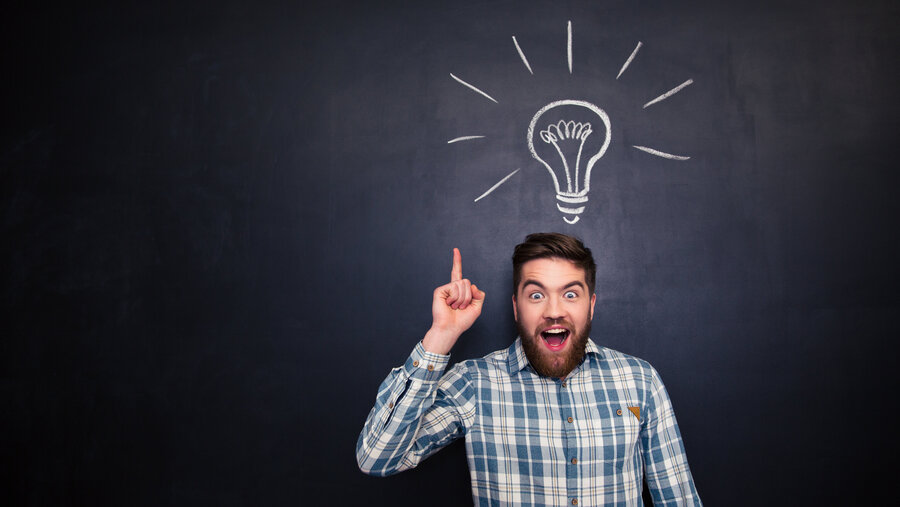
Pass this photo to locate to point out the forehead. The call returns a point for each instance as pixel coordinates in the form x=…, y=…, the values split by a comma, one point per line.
x=552, y=272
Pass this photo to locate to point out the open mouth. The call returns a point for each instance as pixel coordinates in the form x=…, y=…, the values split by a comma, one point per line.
x=555, y=338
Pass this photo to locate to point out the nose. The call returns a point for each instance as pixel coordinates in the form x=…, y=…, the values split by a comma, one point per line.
x=553, y=309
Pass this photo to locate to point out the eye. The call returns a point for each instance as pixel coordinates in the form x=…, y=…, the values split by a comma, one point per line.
x=535, y=296
x=570, y=294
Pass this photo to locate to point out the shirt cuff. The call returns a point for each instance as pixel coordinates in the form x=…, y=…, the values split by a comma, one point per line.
x=424, y=365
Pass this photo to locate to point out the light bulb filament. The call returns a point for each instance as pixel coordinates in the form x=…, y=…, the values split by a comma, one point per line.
x=568, y=132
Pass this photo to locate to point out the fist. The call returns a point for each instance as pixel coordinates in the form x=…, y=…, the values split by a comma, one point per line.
x=454, y=308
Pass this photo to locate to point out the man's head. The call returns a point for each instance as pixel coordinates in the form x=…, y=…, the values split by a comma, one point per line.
x=553, y=300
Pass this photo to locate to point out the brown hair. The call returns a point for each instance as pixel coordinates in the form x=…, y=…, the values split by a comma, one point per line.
x=547, y=245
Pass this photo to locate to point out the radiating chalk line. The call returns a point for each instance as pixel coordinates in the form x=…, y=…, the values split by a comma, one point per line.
x=569, y=46
x=508, y=176
x=630, y=58
x=464, y=138
x=522, y=55
x=473, y=88
x=661, y=153
x=669, y=93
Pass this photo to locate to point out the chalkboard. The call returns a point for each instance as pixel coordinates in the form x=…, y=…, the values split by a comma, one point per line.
x=222, y=223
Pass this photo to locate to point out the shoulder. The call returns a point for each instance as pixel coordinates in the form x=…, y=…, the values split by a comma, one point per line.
x=622, y=364
x=497, y=361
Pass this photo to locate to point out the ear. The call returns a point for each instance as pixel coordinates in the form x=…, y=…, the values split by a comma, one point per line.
x=516, y=310
x=593, y=300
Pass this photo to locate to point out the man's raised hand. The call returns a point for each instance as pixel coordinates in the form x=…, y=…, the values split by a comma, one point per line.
x=454, y=308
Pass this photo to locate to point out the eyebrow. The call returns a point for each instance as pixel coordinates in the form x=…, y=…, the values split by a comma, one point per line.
x=576, y=283
x=526, y=283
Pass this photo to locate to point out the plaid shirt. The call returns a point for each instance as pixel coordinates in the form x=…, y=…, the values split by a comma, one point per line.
x=532, y=440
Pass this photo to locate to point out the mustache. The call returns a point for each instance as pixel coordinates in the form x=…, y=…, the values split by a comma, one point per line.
x=555, y=322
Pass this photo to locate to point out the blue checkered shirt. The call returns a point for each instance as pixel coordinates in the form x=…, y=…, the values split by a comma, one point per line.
x=533, y=440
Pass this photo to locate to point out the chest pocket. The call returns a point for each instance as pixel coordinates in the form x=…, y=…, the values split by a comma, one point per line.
x=616, y=432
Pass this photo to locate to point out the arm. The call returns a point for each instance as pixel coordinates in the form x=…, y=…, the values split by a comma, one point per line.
x=665, y=462
x=417, y=411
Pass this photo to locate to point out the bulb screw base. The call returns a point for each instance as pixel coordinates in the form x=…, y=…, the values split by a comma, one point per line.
x=568, y=200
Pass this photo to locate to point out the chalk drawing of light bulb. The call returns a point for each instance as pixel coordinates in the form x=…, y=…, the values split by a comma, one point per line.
x=569, y=131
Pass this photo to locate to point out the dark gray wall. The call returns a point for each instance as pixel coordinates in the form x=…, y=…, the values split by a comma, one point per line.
x=222, y=223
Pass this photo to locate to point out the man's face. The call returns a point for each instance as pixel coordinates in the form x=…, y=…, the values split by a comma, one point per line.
x=553, y=312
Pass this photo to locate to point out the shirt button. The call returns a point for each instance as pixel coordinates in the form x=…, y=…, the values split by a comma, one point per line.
x=391, y=405
x=570, y=419
x=431, y=368
x=619, y=412
x=574, y=461
x=415, y=363
x=564, y=384
x=574, y=501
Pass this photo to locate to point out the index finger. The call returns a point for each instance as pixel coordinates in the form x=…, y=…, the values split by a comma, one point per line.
x=456, y=270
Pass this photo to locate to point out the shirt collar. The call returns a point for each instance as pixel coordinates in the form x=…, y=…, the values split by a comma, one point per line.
x=516, y=359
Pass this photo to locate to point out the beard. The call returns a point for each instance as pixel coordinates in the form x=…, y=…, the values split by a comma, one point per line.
x=547, y=363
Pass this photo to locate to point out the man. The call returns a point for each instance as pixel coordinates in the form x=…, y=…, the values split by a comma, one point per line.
x=552, y=420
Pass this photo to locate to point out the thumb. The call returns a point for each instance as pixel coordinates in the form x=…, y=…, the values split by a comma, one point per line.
x=477, y=294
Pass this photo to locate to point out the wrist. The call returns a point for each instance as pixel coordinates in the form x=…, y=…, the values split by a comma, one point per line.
x=439, y=341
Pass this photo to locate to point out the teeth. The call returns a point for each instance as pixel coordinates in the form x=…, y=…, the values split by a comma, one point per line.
x=555, y=331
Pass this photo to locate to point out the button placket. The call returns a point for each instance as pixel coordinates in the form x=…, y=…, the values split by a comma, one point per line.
x=570, y=440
